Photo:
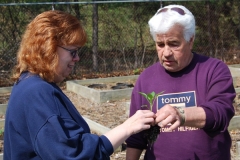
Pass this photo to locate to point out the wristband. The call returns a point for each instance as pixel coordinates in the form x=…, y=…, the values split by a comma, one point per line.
x=181, y=112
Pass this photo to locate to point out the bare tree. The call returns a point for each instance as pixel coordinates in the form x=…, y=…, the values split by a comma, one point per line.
x=95, y=36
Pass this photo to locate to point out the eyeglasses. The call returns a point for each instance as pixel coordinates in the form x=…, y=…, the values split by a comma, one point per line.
x=176, y=9
x=73, y=52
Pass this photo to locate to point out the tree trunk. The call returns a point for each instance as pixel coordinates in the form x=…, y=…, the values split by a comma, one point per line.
x=95, y=36
x=77, y=10
x=209, y=29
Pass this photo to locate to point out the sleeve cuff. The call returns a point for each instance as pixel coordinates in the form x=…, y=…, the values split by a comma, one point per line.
x=107, y=145
x=210, y=120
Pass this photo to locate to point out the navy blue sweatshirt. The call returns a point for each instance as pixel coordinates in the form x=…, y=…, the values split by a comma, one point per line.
x=42, y=123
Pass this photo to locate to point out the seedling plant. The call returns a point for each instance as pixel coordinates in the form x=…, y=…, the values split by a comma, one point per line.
x=154, y=131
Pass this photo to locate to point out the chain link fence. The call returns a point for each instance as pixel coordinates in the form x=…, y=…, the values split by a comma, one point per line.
x=119, y=42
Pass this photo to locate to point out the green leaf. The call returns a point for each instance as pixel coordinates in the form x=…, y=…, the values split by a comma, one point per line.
x=144, y=94
x=159, y=94
x=150, y=97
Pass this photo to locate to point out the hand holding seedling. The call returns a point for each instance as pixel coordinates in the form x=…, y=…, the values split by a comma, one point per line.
x=153, y=132
x=169, y=114
x=141, y=120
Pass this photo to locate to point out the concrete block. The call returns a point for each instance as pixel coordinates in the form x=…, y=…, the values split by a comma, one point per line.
x=98, y=128
x=238, y=149
x=235, y=70
x=234, y=123
x=127, y=108
x=4, y=90
x=100, y=96
x=237, y=90
x=3, y=108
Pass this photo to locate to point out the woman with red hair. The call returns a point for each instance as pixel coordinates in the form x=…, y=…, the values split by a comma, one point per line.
x=41, y=122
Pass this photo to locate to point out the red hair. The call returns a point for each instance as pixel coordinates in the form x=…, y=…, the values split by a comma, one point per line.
x=37, y=52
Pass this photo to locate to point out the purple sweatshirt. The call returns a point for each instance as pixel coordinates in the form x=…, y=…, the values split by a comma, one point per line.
x=205, y=82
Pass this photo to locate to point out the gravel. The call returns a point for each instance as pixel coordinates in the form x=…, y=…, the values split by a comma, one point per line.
x=111, y=114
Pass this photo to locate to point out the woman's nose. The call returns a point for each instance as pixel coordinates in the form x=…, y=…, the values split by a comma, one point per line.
x=76, y=58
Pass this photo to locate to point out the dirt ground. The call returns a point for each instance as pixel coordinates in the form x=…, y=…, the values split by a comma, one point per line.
x=107, y=114
x=112, y=114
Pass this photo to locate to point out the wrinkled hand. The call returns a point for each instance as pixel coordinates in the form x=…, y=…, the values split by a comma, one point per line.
x=141, y=120
x=168, y=114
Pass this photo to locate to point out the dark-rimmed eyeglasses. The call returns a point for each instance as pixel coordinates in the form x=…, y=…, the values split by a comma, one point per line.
x=176, y=9
x=73, y=52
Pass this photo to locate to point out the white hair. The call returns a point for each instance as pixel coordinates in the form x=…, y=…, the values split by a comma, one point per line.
x=162, y=22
